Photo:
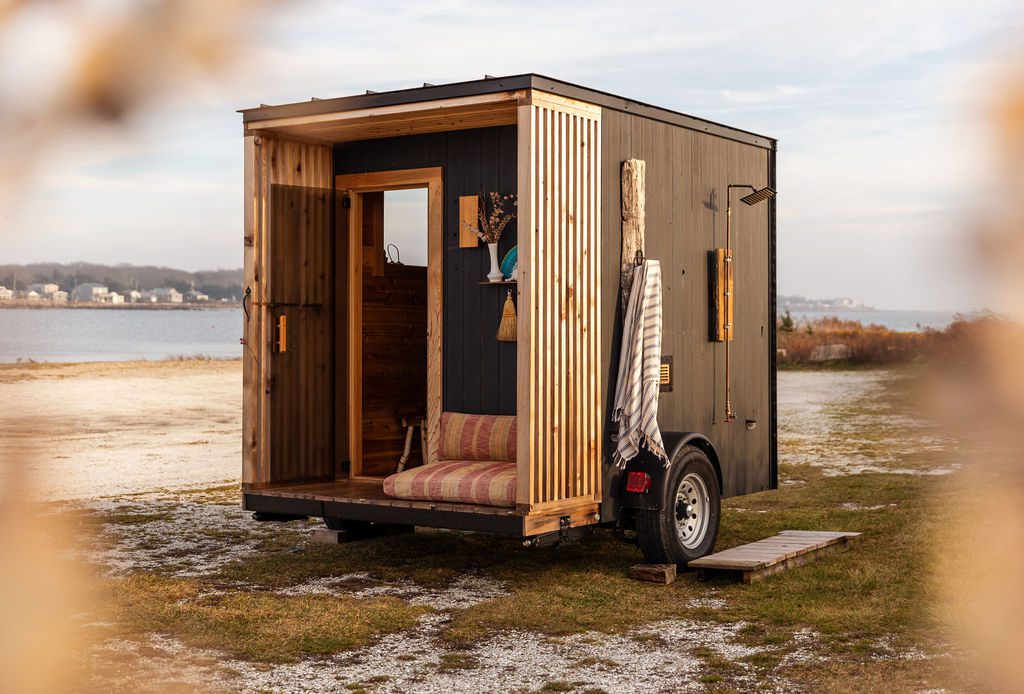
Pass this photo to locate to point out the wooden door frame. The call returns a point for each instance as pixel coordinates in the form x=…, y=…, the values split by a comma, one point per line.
x=382, y=181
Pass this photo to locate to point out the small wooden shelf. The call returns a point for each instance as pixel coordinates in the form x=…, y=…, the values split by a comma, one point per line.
x=502, y=282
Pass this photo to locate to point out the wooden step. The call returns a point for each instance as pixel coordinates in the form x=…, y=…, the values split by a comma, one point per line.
x=754, y=561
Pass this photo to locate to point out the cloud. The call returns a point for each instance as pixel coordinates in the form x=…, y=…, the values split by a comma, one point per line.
x=874, y=105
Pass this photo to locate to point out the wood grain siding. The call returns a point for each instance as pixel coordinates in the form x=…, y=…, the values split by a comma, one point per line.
x=479, y=371
x=287, y=400
x=559, y=402
x=687, y=175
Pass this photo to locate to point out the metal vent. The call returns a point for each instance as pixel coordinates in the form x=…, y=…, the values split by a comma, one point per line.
x=665, y=376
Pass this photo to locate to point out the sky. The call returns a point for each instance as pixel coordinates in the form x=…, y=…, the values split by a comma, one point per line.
x=879, y=109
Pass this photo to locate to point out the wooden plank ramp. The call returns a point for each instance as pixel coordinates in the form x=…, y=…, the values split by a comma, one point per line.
x=756, y=560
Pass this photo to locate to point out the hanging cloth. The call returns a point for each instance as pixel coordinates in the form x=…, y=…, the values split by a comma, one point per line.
x=636, y=391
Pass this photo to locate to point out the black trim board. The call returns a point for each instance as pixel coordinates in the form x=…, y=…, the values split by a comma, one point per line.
x=496, y=85
x=498, y=523
x=773, y=387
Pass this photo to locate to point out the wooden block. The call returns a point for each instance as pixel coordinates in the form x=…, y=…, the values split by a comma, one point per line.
x=469, y=207
x=655, y=573
x=326, y=536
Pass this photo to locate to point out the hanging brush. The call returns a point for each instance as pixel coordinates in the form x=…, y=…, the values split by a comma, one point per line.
x=507, y=327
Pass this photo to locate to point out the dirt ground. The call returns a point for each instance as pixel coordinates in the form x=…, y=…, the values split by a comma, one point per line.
x=192, y=595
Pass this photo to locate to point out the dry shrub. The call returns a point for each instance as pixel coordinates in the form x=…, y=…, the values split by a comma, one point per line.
x=875, y=345
x=868, y=344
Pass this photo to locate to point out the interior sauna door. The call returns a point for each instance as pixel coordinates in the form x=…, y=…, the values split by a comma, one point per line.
x=301, y=315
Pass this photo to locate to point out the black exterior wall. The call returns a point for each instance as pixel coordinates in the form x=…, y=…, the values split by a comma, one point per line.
x=479, y=372
x=687, y=175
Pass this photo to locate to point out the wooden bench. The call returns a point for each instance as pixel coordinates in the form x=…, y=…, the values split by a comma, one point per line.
x=754, y=561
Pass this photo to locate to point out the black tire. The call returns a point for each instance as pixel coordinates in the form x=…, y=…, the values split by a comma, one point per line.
x=657, y=532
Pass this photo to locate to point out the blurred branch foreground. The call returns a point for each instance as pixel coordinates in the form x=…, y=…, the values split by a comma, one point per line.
x=110, y=62
x=980, y=392
x=113, y=62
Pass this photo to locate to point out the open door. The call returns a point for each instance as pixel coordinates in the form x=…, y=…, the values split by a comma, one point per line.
x=393, y=315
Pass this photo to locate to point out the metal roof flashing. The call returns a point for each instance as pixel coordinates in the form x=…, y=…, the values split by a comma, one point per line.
x=491, y=85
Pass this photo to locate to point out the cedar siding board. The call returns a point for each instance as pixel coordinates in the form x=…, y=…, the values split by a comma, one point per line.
x=479, y=371
x=687, y=175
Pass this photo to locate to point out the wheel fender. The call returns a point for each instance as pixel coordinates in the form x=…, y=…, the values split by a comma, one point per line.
x=675, y=442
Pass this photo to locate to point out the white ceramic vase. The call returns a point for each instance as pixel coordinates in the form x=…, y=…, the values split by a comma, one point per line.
x=495, y=275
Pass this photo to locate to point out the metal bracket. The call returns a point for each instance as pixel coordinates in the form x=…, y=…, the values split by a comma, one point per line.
x=564, y=523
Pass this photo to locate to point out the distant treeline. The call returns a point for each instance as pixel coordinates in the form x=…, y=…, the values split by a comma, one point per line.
x=218, y=284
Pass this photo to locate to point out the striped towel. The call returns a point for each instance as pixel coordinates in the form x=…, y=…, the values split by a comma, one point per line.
x=636, y=393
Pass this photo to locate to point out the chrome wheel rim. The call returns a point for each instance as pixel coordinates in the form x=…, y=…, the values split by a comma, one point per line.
x=693, y=511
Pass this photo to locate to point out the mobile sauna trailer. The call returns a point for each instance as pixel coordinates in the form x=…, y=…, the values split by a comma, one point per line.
x=344, y=350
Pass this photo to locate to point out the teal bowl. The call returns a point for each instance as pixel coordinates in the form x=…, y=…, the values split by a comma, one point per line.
x=509, y=263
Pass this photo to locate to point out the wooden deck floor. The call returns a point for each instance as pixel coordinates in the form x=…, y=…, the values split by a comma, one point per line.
x=371, y=492
x=756, y=560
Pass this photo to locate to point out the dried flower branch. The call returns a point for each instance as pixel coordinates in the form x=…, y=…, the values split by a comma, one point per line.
x=491, y=225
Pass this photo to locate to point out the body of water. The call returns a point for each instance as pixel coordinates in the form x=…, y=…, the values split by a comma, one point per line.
x=903, y=321
x=75, y=335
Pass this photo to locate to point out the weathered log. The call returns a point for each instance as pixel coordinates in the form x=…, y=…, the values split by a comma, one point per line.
x=633, y=211
x=655, y=573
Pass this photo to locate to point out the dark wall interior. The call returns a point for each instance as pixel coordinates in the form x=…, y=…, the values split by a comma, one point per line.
x=479, y=371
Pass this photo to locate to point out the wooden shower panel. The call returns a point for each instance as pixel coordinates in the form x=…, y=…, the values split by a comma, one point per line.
x=559, y=353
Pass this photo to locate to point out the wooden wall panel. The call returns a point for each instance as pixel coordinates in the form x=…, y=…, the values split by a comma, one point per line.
x=559, y=404
x=287, y=402
x=394, y=350
x=687, y=175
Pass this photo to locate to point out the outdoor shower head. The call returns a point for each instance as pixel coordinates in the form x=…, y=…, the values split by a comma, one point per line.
x=759, y=195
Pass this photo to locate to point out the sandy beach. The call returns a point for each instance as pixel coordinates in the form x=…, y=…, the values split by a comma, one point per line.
x=84, y=431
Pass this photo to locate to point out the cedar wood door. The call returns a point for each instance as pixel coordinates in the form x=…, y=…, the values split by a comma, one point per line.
x=301, y=304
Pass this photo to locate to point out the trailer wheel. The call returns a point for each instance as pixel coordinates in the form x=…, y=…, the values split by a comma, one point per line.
x=686, y=528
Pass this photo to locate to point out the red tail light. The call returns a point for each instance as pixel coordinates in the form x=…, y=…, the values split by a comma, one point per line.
x=638, y=482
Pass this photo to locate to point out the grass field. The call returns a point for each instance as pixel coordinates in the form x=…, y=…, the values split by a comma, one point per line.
x=196, y=595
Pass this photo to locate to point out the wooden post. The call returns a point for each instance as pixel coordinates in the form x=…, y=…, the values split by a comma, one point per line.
x=633, y=210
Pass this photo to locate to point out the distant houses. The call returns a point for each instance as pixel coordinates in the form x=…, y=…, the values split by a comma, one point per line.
x=163, y=295
x=89, y=291
x=96, y=293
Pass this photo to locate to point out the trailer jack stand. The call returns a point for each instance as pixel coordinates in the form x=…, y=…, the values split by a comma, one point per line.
x=565, y=535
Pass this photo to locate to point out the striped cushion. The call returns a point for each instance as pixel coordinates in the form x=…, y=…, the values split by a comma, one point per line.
x=466, y=481
x=477, y=437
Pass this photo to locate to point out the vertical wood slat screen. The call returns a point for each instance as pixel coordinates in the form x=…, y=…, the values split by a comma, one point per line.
x=276, y=162
x=559, y=354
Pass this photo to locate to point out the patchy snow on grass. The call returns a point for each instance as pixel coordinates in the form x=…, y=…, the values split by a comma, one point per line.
x=851, y=506
x=464, y=591
x=709, y=603
x=178, y=538
x=842, y=423
x=654, y=658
